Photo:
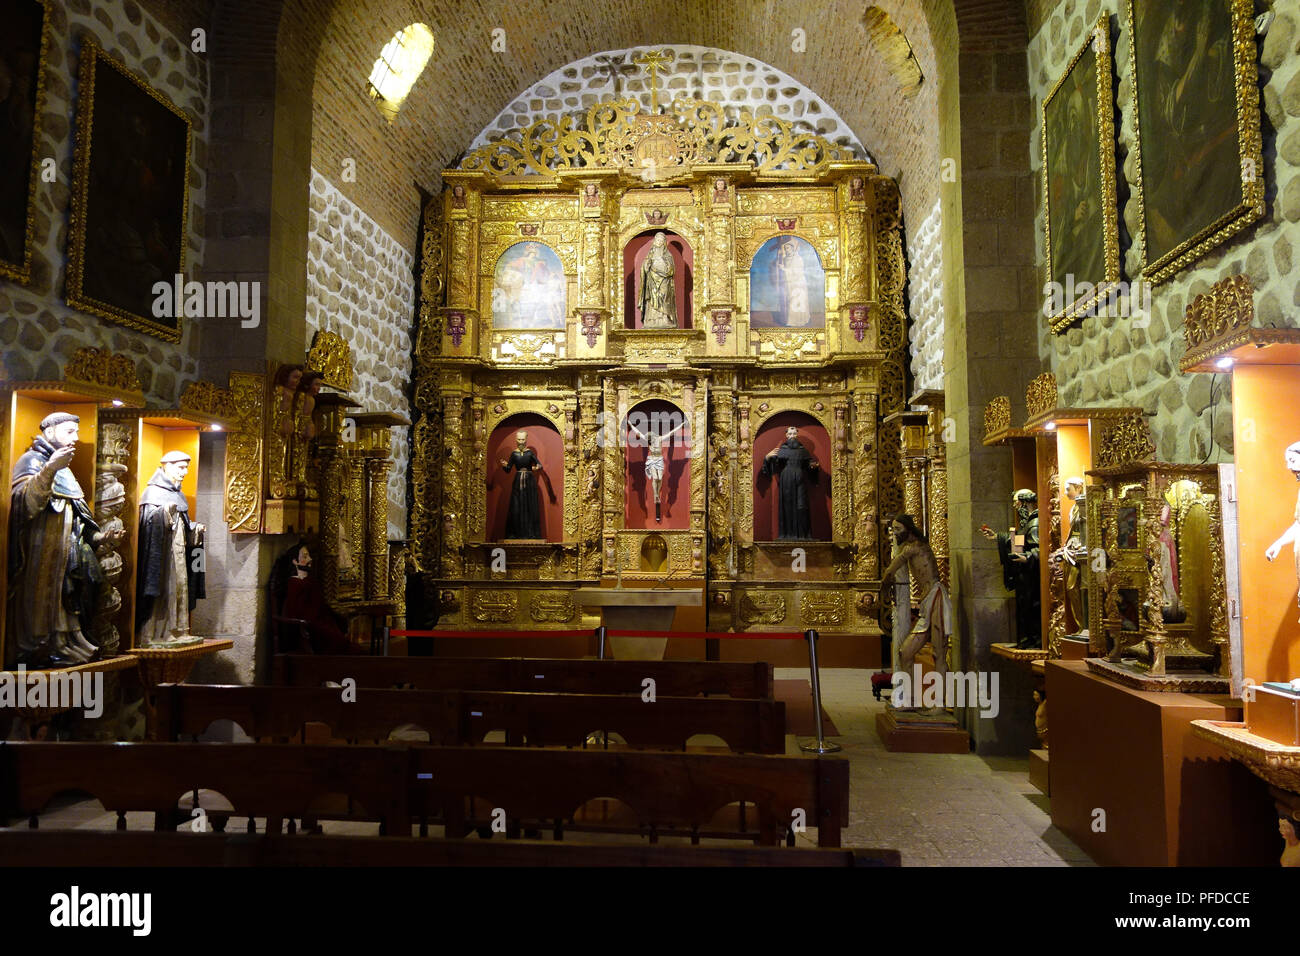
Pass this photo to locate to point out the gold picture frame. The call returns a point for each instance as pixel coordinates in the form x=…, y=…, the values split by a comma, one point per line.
x=1079, y=197
x=1185, y=159
x=105, y=288
x=20, y=269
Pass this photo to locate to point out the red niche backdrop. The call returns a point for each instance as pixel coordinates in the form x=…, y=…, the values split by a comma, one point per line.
x=634, y=254
x=814, y=437
x=659, y=417
x=544, y=439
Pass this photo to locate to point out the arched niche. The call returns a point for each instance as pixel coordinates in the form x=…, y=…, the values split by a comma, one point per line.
x=815, y=438
x=528, y=288
x=545, y=440
x=787, y=285
x=675, y=490
x=634, y=254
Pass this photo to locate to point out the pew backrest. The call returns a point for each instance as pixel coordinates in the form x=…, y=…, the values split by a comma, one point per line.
x=182, y=711
x=276, y=781
x=672, y=678
x=661, y=789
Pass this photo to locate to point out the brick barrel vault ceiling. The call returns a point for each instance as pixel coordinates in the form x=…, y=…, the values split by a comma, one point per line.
x=466, y=85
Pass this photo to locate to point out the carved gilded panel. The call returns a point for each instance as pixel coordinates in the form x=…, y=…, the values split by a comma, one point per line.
x=243, y=480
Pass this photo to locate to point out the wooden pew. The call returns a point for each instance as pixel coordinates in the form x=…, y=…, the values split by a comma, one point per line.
x=276, y=781
x=466, y=717
x=672, y=678
x=678, y=793
x=666, y=792
x=183, y=711
x=77, y=848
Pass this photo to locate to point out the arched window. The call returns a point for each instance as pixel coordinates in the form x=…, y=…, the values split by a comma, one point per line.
x=399, y=65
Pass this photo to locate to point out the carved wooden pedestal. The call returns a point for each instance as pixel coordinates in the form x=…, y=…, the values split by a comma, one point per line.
x=172, y=665
x=914, y=733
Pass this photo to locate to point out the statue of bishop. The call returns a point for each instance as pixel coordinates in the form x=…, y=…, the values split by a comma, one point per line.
x=169, y=568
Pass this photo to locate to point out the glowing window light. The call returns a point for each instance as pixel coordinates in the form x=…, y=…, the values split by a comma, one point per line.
x=399, y=66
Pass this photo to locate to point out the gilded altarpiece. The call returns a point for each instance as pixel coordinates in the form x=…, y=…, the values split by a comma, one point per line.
x=726, y=391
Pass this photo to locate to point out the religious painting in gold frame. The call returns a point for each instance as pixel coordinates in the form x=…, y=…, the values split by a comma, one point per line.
x=1081, y=222
x=130, y=199
x=24, y=49
x=1197, y=149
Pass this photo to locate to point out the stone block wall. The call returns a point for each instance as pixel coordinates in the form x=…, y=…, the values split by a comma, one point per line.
x=38, y=331
x=925, y=301
x=1113, y=361
x=361, y=284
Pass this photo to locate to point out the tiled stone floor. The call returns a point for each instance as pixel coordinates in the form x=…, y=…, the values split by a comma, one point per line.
x=936, y=809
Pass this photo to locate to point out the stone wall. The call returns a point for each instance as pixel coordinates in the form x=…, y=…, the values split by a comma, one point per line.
x=361, y=284
x=695, y=71
x=1112, y=361
x=925, y=301
x=38, y=331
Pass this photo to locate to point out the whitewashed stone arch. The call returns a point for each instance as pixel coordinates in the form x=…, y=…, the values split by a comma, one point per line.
x=702, y=72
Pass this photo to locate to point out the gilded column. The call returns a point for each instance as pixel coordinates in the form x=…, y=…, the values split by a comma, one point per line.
x=744, y=488
x=460, y=316
x=426, y=433
x=453, y=484
x=866, y=564
x=573, y=504
x=398, y=563
x=591, y=461
x=1153, y=619
x=720, y=305
x=938, y=519
x=613, y=472
x=841, y=486
x=476, y=491
x=113, y=451
x=889, y=322
x=696, y=401
x=593, y=308
x=355, y=547
x=332, y=466
x=1218, y=590
x=376, y=512
x=722, y=467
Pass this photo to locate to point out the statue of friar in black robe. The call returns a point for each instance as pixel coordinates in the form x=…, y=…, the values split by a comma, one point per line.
x=794, y=465
x=54, y=575
x=524, y=520
x=169, y=568
x=1020, y=569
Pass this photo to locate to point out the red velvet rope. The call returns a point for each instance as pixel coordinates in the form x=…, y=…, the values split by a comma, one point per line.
x=708, y=635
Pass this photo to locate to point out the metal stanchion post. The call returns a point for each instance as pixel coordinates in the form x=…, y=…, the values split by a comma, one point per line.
x=387, y=628
x=822, y=746
x=603, y=736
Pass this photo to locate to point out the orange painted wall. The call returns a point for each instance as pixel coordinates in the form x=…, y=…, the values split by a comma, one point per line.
x=1264, y=403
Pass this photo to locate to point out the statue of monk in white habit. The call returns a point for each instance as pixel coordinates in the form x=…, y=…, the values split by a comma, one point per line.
x=169, y=568
x=54, y=575
x=658, y=299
